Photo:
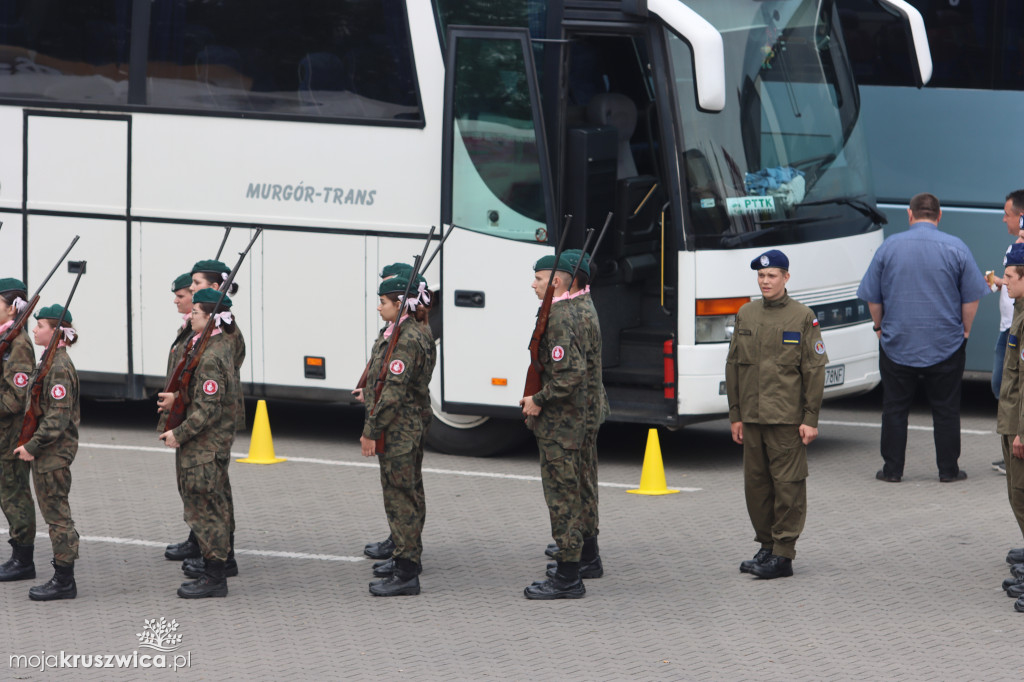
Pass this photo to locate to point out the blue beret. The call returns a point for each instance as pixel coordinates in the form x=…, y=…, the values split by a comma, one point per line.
x=770, y=259
x=1014, y=255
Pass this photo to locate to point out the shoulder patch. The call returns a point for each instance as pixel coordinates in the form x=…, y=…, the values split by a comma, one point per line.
x=21, y=380
x=210, y=387
x=397, y=367
x=814, y=322
x=1011, y=341
x=58, y=392
x=819, y=347
x=557, y=353
x=790, y=337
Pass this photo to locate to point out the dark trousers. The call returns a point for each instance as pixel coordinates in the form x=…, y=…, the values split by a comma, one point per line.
x=942, y=385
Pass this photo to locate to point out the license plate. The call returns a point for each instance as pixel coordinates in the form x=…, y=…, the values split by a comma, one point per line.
x=835, y=375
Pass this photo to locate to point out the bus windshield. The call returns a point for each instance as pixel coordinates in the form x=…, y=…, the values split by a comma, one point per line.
x=785, y=161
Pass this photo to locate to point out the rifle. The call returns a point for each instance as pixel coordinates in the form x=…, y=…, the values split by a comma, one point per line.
x=597, y=245
x=583, y=253
x=30, y=423
x=536, y=368
x=366, y=370
x=22, y=318
x=181, y=375
x=378, y=386
x=227, y=231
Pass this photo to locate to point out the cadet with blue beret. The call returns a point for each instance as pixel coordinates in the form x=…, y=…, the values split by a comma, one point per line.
x=775, y=381
x=203, y=446
x=15, y=497
x=1009, y=421
x=398, y=415
x=52, y=449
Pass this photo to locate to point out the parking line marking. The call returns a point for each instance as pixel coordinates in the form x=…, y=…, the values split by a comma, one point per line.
x=250, y=552
x=911, y=427
x=372, y=465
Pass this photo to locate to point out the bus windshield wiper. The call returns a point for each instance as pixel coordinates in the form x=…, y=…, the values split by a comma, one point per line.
x=856, y=204
x=795, y=221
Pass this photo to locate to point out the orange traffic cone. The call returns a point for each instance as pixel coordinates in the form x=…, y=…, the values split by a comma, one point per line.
x=652, y=478
x=261, y=446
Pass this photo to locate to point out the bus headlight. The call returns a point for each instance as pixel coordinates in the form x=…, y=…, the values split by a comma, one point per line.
x=716, y=319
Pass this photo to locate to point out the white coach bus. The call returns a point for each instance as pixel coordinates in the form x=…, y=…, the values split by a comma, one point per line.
x=711, y=129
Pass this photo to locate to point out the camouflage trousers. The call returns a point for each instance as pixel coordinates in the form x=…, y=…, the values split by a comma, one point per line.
x=775, y=484
x=52, y=488
x=588, y=486
x=204, y=492
x=16, y=500
x=222, y=461
x=401, y=479
x=560, y=476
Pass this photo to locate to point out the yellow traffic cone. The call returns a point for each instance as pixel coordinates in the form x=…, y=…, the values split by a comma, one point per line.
x=261, y=446
x=652, y=478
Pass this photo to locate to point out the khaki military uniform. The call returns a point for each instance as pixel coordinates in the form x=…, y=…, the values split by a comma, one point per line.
x=775, y=380
x=15, y=498
x=560, y=428
x=597, y=411
x=399, y=416
x=205, y=439
x=54, y=446
x=1009, y=417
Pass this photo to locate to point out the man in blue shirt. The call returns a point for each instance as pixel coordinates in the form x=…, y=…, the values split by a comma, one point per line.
x=923, y=289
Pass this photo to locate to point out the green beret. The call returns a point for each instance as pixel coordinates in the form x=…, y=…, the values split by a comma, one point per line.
x=12, y=284
x=573, y=256
x=395, y=285
x=566, y=262
x=210, y=266
x=182, y=282
x=403, y=269
x=210, y=295
x=53, y=312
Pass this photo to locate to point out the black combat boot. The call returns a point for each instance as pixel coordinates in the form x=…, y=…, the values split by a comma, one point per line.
x=550, y=550
x=1015, y=591
x=774, y=567
x=382, y=569
x=20, y=566
x=565, y=584
x=1010, y=582
x=184, y=550
x=1017, y=570
x=193, y=568
x=404, y=580
x=590, y=563
x=1015, y=556
x=380, y=550
x=211, y=583
x=60, y=586
x=759, y=558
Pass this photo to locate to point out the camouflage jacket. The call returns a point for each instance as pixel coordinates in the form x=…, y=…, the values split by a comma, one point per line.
x=590, y=338
x=1008, y=417
x=56, y=440
x=17, y=368
x=177, y=352
x=562, y=397
x=775, y=370
x=209, y=426
x=406, y=381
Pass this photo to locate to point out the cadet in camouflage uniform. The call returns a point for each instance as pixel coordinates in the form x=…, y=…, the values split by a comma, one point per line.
x=398, y=415
x=775, y=379
x=52, y=449
x=210, y=274
x=203, y=440
x=15, y=497
x=384, y=549
x=1009, y=420
x=181, y=288
x=557, y=416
